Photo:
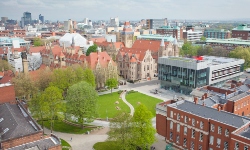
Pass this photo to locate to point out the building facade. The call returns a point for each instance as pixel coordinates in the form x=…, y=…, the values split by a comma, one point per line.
x=111, y=48
x=217, y=33
x=114, y=22
x=41, y=18
x=190, y=126
x=127, y=35
x=242, y=32
x=192, y=36
x=155, y=23
x=185, y=74
x=26, y=19
x=174, y=31
x=140, y=61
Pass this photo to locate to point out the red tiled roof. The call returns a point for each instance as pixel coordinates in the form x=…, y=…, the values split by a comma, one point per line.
x=21, y=49
x=36, y=49
x=1, y=51
x=148, y=45
x=102, y=57
x=8, y=75
x=7, y=94
x=98, y=40
x=133, y=59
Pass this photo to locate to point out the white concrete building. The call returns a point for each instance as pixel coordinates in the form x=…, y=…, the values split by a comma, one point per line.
x=192, y=35
x=114, y=22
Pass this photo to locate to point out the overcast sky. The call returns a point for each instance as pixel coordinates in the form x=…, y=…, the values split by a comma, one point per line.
x=127, y=9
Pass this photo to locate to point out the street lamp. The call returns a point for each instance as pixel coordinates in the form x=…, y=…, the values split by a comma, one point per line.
x=107, y=115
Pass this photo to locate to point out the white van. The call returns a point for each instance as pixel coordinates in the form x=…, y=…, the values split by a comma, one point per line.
x=248, y=70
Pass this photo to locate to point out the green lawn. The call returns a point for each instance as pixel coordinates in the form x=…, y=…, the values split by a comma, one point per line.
x=108, y=145
x=148, y=101
x=60, y=126
x=107, y=106
x=64, y=143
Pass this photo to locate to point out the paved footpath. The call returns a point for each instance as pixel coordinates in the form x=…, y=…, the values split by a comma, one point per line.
x=83, y=141
x=132, y=109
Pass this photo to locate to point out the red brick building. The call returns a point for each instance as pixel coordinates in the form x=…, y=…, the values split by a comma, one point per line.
x=19, y=131
x=197, y=127
x=176, y=32
x=7, y=93
x=242, y=31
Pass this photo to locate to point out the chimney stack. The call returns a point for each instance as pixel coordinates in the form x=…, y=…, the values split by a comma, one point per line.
x=205, y=95
x=195, y=100
x=219, y=108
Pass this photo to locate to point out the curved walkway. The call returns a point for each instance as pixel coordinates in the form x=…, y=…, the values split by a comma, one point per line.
x=132, y=109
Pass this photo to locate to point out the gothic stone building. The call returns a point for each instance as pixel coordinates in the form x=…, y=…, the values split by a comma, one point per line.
x=100, y=62
x=140, y=61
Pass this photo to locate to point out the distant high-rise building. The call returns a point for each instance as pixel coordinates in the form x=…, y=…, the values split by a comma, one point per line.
x=86, y=21
x=114, y=22
x=4, y=19
x=26, y=19
x=67, y=24
x=156, y=23
x=41, y=18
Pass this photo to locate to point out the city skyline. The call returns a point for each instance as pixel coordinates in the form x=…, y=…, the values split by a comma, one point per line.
x=127, y=10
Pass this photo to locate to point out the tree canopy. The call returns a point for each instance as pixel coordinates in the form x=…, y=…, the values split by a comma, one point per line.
x=242, y=53
x=111, y=83
x=135, y=132
x=91, y=49
x=188, y=49
x=52, y=97
x=4, y=65
x=37, y=42
x=89, y=76
x=203, y=38
x=82, y=101
x=143, y=130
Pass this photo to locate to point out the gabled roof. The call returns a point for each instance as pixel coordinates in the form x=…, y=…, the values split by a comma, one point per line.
x=7, y=93
x=36, y=49
x=148, y=45
x=102, y=57
x=98, y=40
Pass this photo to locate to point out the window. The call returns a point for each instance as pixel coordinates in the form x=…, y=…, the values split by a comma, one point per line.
x=226, y=132
x=245, y=147
x=212, y=127
x=171, y=124
x=178, y=127
x=185, y=142
x=236, y=146
x=193, y=133
x=211, y=141
x=177, y=139
x=192, y=145
x=171, y=135
x=225, y=145
x=193, y=122
x=201, y=137
x=171, y=114
x=178, y=116
x=218, y=142
x=185, y=130
x=200, y=147
x=201, y=124
x=219, y=130
x=186, y=119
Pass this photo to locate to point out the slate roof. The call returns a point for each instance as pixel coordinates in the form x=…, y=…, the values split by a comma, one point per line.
x=244, y=88
x=210, y=113
x=16, y=122
x=247, y=81
x=246, y=133
x=239, y=96
x=42, y=144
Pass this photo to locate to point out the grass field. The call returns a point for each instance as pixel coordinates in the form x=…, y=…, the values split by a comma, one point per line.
x=64, y=143
x=108, y=145
x=107, y=106
x=148, y=101
x=60, y=126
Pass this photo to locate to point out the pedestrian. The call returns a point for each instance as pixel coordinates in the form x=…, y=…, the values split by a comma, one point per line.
x=71, y=139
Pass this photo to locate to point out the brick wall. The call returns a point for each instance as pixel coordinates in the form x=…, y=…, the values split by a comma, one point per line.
x=161, y=123
x=19, y=141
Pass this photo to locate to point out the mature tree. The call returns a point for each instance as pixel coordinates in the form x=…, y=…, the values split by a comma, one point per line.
x=89, y=76
x=121, y=130
x=143, y=133
x=91, y=49
x=188, y=50
x=37, y=42
x=61, y=78
x=242, y=53
x=4, y=65
x=203, y=38
x=39, y=107
x=43, y=79
x=204, y=50
x=24, y=86
x=54, y=102
x=82, y=101
x=111, y=83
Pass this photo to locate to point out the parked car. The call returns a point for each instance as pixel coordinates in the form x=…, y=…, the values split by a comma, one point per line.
x=248, y=70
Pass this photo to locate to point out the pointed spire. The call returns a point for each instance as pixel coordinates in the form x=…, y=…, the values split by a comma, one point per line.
x=70, y=28
x=162, y=42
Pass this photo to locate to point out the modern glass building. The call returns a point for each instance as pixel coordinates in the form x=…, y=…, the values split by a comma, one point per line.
x=182, y=75
x=217, y=33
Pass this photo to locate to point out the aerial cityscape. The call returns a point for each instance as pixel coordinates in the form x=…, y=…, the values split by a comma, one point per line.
x=124, y=75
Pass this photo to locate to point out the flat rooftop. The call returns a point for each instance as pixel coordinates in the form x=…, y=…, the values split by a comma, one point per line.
x=210, y=113
x=228, y=41
x=156, y=37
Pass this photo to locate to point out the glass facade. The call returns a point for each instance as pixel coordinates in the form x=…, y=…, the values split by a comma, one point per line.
x=181, y=80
